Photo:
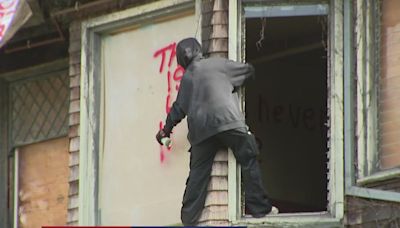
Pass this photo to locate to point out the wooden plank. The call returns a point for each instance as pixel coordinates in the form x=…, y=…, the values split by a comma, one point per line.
x=73, y=216
x=220, y=17
x=75, y=27
x=73, y=131
x=76, y=56
x=74, y=144
x=220, y=31
x=75, y=69
x=221, y=156
x=43, y=166
x=74, y=118
x=218, y=183
x=75, y=222
x=73, y=201
x=73, y=158
x=75, y=81
x=73, y=188
x=214, y=212
x=220, y=5
x=215, y=223
x=219, y=169
x=74, y=106
x=73, y=173
x=218, y=44
x=216, y=198
x=74, y=33
x=75, y=93
x=74, y=45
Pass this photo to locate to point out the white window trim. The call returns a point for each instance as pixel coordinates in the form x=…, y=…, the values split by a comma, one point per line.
x=334, y=215
x=90, y=127
x=367, y=126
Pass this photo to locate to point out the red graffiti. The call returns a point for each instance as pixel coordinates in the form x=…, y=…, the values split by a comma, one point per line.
x=7, y=11
x=2, y=30
x=4, y=6
x=162, y=149
x=174, y=74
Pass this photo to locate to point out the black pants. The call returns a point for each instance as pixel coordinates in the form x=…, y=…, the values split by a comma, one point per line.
x=245, y=149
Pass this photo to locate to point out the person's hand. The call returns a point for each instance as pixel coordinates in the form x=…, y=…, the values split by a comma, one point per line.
x=160, y=134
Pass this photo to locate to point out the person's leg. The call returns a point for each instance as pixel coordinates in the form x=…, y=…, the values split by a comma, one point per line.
x=245, y=149
x=201, y=160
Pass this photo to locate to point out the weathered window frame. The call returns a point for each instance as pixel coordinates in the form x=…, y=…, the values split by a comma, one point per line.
x=334, y=214
x=91, y=92
x=9, y=152
x=367, y=48
x=353, y=184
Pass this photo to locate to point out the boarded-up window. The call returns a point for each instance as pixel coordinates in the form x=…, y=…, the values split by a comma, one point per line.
x=43, y=184
x=389, y=100
x=39, y=114
x=141, y=183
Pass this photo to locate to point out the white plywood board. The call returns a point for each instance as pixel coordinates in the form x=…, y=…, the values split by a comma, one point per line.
x=140, y=182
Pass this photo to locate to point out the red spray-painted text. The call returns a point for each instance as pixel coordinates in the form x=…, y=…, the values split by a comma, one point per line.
x=174, y=73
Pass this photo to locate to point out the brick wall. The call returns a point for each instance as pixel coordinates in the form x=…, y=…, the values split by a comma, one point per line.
x=390, y=85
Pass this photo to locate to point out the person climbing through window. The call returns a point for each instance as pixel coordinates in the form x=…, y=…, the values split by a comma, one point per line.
x=208, y=97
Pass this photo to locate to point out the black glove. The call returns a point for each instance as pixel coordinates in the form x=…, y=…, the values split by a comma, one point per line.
x=161, y=134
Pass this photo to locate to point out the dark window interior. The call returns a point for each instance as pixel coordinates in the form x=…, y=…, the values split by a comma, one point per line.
x=286, y=108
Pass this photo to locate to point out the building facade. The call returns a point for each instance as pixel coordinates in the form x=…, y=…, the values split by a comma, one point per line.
x=82, y=98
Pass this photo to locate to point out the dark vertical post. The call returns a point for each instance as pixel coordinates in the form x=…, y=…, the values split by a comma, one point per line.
x=4, y=200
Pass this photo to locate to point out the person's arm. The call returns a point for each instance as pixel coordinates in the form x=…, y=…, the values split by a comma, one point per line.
x=238, y=72
x=174, y=117
x=176, y=113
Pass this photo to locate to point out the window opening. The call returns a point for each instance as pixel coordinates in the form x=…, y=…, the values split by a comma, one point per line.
x=286, y=103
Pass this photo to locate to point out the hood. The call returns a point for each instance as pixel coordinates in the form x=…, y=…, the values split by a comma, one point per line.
x=186, y=50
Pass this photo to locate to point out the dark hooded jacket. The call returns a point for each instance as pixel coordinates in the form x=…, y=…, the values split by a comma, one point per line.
x=207, y=93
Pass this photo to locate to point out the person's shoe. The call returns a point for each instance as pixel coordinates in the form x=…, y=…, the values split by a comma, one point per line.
x=274, y=211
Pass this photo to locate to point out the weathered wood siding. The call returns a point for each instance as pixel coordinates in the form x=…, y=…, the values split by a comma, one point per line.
x=215, y=43
x=74, y=120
